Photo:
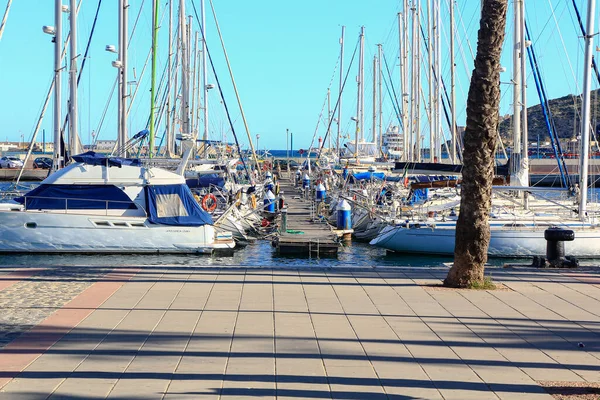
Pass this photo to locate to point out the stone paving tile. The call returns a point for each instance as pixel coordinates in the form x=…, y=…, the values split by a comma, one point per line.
x=30, y=301
x=212, y=333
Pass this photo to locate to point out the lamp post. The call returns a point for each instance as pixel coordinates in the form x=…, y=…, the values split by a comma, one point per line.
x=257, y=137
x=56, y=32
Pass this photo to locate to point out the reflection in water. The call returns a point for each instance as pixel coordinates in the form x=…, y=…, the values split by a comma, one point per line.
x=259, y=254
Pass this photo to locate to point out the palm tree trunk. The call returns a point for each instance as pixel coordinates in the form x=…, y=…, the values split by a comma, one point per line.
x=472, y=227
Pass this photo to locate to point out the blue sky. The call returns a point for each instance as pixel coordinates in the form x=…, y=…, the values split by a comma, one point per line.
x=284, y=56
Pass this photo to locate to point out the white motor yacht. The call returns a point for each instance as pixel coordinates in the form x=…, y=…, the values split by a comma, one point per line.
x=104, y=205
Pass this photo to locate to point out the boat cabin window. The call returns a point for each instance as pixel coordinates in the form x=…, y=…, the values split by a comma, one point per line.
x=170, y=205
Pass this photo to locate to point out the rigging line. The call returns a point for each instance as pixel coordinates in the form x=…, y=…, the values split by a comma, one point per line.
x=394, y=101
x=333, y=76
x=545, y=105
x=394, y=98
x=85, y=55
x=447, y=98
x=101, y=122
x=137, y=19
x=564, y=46
x=237, y=95
x=212, y=65
x=337, y=103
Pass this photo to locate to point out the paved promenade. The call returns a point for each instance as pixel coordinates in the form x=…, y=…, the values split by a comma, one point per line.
x=224, y=333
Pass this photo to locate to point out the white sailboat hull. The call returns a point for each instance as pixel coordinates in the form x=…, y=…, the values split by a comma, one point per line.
x=45, y=232
x=523, y=241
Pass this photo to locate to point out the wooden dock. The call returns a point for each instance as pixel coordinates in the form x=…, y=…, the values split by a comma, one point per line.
x=305, y=234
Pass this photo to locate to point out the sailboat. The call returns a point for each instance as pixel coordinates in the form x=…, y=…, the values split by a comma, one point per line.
x=514, y=233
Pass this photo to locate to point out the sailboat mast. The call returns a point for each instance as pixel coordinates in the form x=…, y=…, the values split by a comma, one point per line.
x=403, y=32
x=56, y=165
x=339, y=121
x=430, y=80
x=153, y=87
x=380, y=76
x=524, y=132
x=195, y=81
x=358, y=99
x=453, y=87
x=516, y=149
x=413, y=87
x=73, y=140
x=329, y=116
x=204, y=77
x=375, y=100
x=169, y=142
x=417, y=65
x=185, y=101
x=585, y=110
x=437, y=113
x=125, y=62
x=362, y=84
x=5, y=18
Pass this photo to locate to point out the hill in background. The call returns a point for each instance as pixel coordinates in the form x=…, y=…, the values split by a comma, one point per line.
x=566, y=112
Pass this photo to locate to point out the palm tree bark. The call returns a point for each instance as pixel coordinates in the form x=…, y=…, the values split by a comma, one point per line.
x=472, y=228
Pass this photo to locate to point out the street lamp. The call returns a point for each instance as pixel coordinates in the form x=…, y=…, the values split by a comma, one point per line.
x=257, y=137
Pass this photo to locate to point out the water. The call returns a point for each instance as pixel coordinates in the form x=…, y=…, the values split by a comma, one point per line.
x=259, y=254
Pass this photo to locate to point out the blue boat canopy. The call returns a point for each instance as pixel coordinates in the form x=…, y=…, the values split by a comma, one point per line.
x=174, y=205
x=205, y=181
x=361, y=176
x=76, y=197
x=93, y=158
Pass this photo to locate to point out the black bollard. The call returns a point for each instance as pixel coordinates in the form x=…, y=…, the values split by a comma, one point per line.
x=555, y=247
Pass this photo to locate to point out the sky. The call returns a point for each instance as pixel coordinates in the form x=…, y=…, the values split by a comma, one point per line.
x=284, y=57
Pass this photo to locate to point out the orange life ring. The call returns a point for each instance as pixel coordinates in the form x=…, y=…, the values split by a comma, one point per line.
x=209, y=202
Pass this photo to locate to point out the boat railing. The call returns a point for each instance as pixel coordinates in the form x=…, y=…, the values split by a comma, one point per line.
x=106, y=205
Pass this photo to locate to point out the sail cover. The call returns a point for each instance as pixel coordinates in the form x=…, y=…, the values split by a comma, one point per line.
x=76, y=197
x=174, y=205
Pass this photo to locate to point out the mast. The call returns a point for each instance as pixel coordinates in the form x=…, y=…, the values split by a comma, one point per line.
x=375, y=100
x=339, y=121
x=403, y=79
x=413, y=87
x=125, y=62
x=362, y=84
x=169, y=143
x=4, y=18
x=453, y=86
x=185, y=101
x=195, y=81
x=328, y=118
x=585, y=110
x=437, y=114
x=73, y=136
x=57, y=156
x=417, y=83
x=153, y=87
x=524, y=132
x=432, y=145
x=516, y=148
x=359, y=97
x=205, y=87
x=120, y=105
x=379, y=73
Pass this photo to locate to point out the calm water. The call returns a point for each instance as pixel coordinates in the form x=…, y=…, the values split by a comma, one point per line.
x=258, y=254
